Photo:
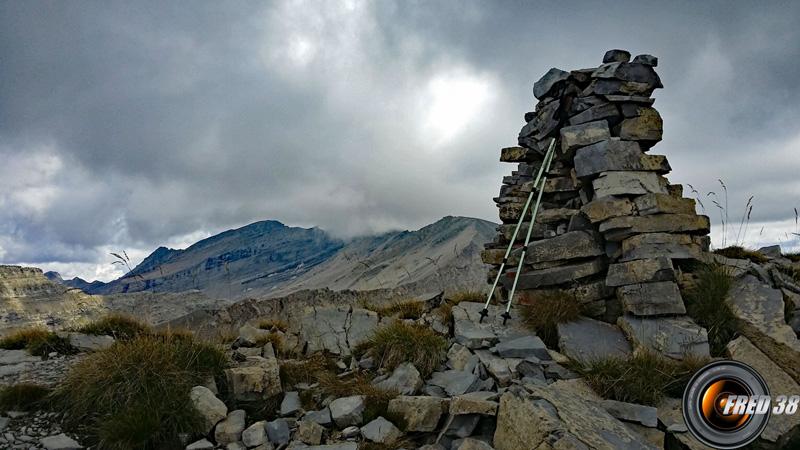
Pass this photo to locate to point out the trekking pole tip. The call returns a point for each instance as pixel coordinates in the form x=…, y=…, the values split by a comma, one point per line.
x=484, y=313
x=505, y=317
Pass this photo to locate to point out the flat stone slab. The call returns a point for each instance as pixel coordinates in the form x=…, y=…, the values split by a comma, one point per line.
x=9, y=357
x=557, y=275
x=640, y=271
x=628, y=183
x=604, y=208
x=336, y=328
x=523, y=347
x=455, y=382
x=667, y=245
x=482, y=402
x=586, y=340
x=578, y=136
x=652, y=299
x=631, y=412
x=675, y=337
x=571, y=245
x=420, y=413
x=619, y=228
x=663, y=204
x=615, y=155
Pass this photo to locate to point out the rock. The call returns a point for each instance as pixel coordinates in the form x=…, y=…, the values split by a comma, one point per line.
x=663, y=204
x=616, y=55
x=604, y=208
x=772, y=251
x=483, y=403
x=250, y=336
x=546, y=121
x=11, y=357
x=648, y=126
x=648, y=60
x=611, y=155
x=653, y=435
x=347, y=411
x=628, y=183
x=202, y=444
x=760, y=310
x=631, y=412
x=471, y=334
x=515, y=154
x=278, y=431
x=350, y=432
x=603, y=111
x=258, y=379
x=652, y=299
x=381, y=431
x=556, y=275
x=619, y=228
x=496, y=366
x=208, y=405
x=471, y=444
x=458, y=357
x=784, y=427
x=291, y=404
x=309, y=432
x=405, y=379
x=322, y=417
x=89, y=342
x=654, y=245
x=335, y=328
x=675, y=337
x=549, y=80
x=455, y=382
x=235, y=446
x=577, y=136
x=336, y=446
x=640, y=271
x=418, y=413
x=522, y=347
x=564, y=415
x=571, y=245
x=230, y=429
x=463, y=425
x=255, y=434
x=586, y=340
x=60, y=442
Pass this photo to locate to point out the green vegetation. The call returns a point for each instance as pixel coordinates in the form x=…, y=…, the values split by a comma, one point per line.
x=401, y=342
x=644, y=378
x=706, y=303
x=737, y=252
x=38, y=341
x=404, y=309
x=135, y=394
x=544, y=311
x=24, y=397
x=119, y=326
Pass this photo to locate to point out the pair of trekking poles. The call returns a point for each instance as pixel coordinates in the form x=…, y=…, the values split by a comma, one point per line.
x=538, y=189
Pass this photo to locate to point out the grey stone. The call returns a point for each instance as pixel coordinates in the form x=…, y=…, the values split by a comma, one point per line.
x=278, y=431
x=630, y=99
x=483, y=402
x=250, y=336
x=336, y=328
x=455, y=382
x=522, y=347
x=230, y=429
x=418, y=413
x=609, y=155
x=463, y=425
x=405, y=379
x=89, y=342
x=663, y=204
x=381, y=431
x=208, y=405
x=11, y=357
x=647, y=126
x=545, y=84
x=336, y=446
x=577, y=136
x=675, y=337
x=546, y=122
x=258, y=379
x=202, y=444
x=631, y=412
x=471, y=444
x=60, y=442
x=604, y=208
x=496, y=366
x=557, y=275
x=458, y=356
x=628, y=183
x=235, y=446
x=619, y=228
x=652, y=299
x=571, y=245
x=472, y=335
x=586, y=340
x=347, y=411
x=654, y=245
x=322, y=417
x=309, y=432
x=772, y=251
x=255, y=434
x=648, y=60
x=603, y=111
x=291, y=404
x=350, y=432
x=640, y=271
x=616, y=55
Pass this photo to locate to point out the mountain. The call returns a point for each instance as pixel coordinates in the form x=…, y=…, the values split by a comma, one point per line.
x=271, y=259
x=77, y=282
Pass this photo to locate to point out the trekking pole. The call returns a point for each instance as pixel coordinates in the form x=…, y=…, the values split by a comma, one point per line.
x=545, y=161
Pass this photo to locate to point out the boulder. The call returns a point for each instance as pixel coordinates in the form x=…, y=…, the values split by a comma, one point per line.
x=483, y=403
x=291, y=404
x=640, y=271
x=418, y=413
x=60, y=442
x=472, y=335
x=631, y=412
x=588, y=133
x=405, y=379
x=322, y=417
x=604, y=208
x=230, y=429
x=347, y=411
x=617, y=55
x=462, y=426
x=309, y=432
x=549, y=80
x=647, y=126
x=652, y=299
x=648, y=60
x=628, y=183
x=571, y=245
x=663, y=204
x=455, y=382
x=619, y=228
x=586, y=340
x=613, y=155
x=336, y=328
x=458, y=356
x=564, y=414
x=257, y=380
x=278, y=431
x=760, y=313
x=381, y=431
x=772, y=251
x=255, y=434
x=250, y=336
x=89, y=342
x=497, y=367
x=556, y=275
x=675, y=337
x=522, y=347
x=784, y=427
x=208, y=405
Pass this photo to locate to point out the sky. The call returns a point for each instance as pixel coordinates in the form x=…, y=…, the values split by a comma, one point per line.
x=130, y=125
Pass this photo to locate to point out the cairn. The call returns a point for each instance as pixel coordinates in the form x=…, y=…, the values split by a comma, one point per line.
x=611, y=230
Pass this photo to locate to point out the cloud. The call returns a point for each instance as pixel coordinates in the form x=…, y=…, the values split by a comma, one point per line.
x=136, y=125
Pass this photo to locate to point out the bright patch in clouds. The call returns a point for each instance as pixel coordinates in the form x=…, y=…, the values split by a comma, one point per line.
x=454, y=100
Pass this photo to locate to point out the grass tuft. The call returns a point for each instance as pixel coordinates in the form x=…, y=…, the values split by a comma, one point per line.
x=544, y=311
x=118, y=326
x=377, y=400
x=135, y=394
x=38, y=341
x=737, y=252
x=706, y=303
x=306, y=370
x=794, y=257
x=404, y=309
x=24, y=397
x=401, y=342
x=467, y=296
x=644, y=378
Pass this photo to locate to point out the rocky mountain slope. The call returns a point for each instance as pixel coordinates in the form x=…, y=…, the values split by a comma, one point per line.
x=271, y=259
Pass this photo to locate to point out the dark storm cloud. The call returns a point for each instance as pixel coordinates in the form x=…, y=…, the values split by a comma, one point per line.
x=132, y=125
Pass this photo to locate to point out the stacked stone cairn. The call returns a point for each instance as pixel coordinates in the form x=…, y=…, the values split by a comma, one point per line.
x=611, y=230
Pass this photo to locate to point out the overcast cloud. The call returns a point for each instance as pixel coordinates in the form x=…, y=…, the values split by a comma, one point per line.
x=128, y=126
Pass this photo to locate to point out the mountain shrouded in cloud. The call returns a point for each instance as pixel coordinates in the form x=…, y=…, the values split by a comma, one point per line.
x=132, y=126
